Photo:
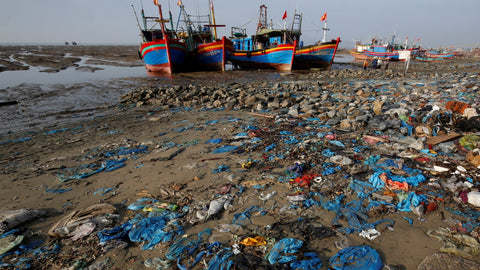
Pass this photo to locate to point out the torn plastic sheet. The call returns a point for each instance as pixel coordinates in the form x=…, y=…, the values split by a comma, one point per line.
x=58, y=190
x=270, y=147
x=363, y=189
x=127, y=151
x=118, y=232
x=156, y=229
x=357, y=218
x=216, y=140
x=337, y=143
x=409, y=128
x=103, y=190
x=186, y=246
x=24, y=139
x=328, y=153
x=221, y=261
x=357, y=257
x=413, y=181
x=224, y=149
x=221, y=168
x=412, y=201
x=329, y=169
x=312, y=263
x=107, y=166
x=244, y=217
x=55, y=131
x=141, y=203
x=283, y=247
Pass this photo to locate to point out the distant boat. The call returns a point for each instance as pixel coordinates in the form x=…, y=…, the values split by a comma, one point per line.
x=381, y=51
x=204, y=51
x=377, y=49
x=357, y=52
x=161, y=50
x=262, y=50
x=439, y=54
x=428, y=59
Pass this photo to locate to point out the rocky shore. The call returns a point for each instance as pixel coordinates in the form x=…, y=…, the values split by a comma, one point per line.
x=295, y=172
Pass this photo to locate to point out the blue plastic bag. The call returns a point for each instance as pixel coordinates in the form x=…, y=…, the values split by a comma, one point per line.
x=357, y=257
x=284, y=246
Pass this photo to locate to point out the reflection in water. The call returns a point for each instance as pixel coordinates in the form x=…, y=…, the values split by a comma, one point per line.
x=67, y=76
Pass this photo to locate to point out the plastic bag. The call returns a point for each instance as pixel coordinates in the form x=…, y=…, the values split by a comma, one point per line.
x=284, y=246
x=357, y=257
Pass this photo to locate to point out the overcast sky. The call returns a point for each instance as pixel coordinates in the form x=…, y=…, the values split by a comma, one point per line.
x=435, y=22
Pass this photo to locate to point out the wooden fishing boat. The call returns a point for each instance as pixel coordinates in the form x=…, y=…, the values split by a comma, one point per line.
x=212, y=56
x=279, y=57
x=161, y=50
x=205, y=52
x=264, y=50
x=386, y=50
x=358, y=56
x=381, y=51
x=428, y=59
x=439, y=54
x=320, y=55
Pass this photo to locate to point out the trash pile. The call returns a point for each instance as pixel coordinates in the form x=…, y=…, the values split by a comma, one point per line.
x=313, y=163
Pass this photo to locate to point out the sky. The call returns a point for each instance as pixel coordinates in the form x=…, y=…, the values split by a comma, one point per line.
x=435, y=23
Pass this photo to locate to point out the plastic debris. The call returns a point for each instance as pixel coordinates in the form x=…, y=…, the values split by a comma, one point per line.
x=459, y=244
x=253, y=241
x=10, y=219
x=217, y=205
x=10, y=242
x=474, y=198
x=282, y=248
x=357, y=257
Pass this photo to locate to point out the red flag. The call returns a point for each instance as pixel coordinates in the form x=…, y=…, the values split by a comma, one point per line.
x=324, y=17
x=284, y=15
x=155, y=2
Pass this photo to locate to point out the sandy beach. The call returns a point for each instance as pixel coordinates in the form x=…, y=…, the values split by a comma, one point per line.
x=295, y=155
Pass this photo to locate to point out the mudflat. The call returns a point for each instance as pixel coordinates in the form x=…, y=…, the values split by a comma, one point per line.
x=250, y=160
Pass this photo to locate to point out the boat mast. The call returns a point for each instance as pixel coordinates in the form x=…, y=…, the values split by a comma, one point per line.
x=325, y=29
x=188, y=23
x=138, y=23
x=262, y=23
x=262, y=19
x=165, y=37
x=161, y=21
x=213, y=20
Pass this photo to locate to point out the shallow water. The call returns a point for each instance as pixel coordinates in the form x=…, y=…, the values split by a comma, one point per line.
x=69, y=75
x=45, y=99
